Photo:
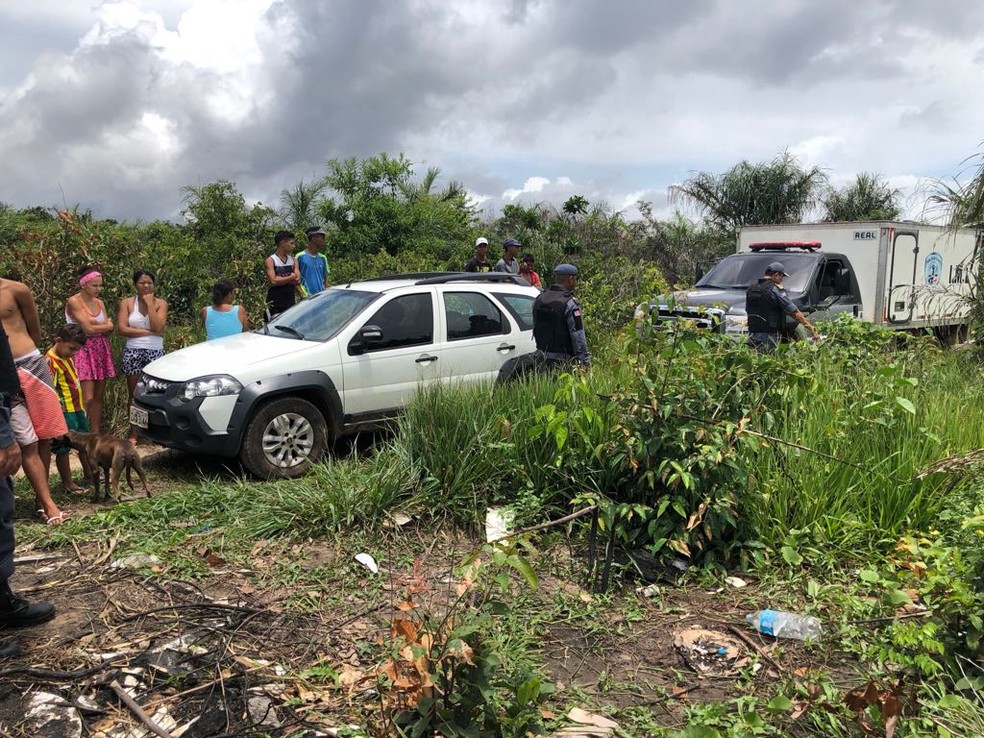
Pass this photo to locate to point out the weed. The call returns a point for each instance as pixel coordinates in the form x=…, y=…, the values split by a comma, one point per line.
x=449, y=672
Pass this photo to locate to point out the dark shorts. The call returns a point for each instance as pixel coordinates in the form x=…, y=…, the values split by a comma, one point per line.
x=528, y=365
x=135, y=359
x=77, y=421
x=763, y=342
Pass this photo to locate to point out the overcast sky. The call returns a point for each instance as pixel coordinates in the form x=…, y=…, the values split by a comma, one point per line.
x=114, y=106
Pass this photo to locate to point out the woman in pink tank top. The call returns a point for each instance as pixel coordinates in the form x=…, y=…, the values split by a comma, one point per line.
x=94, y=361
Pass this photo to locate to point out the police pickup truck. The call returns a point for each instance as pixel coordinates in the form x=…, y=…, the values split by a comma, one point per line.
x=903, y=276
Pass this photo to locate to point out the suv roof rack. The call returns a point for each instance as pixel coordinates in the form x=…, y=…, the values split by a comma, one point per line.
x=784, y=245
x=411, y=275
x=472, y=277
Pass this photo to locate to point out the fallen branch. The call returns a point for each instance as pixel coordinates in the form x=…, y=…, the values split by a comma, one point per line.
x=63, y=675
x=38, y=557
x=195, y=606
x=752, y=644
x=549, y=524
x=127, y=700
x=888, y=618
x=202, y=687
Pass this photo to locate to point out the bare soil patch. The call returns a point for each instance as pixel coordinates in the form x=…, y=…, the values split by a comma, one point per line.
x=245, y=652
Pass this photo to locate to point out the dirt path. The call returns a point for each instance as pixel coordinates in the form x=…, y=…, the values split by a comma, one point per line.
x=247, y=650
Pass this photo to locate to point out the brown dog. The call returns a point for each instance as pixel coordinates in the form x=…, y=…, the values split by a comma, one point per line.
x=110, y=456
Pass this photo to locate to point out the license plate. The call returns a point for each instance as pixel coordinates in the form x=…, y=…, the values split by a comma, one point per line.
x=138, y=417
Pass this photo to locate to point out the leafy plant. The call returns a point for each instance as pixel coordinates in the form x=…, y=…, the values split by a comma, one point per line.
x=444, y=672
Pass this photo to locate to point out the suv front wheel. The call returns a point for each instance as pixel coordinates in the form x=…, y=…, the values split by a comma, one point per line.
x=283, y=439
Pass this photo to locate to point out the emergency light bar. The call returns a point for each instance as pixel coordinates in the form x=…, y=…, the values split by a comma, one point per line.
x=784, y=245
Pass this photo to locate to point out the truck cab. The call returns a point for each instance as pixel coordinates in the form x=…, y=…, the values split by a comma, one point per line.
x=821, y=284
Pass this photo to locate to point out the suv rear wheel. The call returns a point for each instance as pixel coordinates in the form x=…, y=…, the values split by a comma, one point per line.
x=283, y=439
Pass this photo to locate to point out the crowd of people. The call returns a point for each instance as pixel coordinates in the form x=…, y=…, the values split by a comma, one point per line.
x=508, y=264
x=64, y=388
x=42, y=396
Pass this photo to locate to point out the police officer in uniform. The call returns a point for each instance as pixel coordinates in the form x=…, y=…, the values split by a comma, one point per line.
x=558, y=326
x=767, y=305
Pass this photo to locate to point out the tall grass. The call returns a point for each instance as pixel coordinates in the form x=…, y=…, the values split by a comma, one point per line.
x=339, y=495
x=465, y=442
x=850, y=424
x=863, y=429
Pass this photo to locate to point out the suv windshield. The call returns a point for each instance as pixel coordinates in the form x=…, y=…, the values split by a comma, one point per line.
x=739, y=271
x=321, y=316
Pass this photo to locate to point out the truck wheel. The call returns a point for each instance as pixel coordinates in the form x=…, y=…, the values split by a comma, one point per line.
x=283, y=438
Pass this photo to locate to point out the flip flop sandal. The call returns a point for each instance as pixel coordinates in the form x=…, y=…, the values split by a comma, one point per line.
x=76, y=490
x=54, y=519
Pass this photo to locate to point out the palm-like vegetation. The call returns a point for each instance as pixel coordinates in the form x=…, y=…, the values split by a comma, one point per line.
x=963, y=202
x=297, y=204
x=868, y=198
x=779, y=191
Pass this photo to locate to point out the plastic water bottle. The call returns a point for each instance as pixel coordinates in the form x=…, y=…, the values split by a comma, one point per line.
x=785, y=625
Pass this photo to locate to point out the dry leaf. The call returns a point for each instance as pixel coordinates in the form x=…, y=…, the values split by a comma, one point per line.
x=577, y=715
x=696, y=517
x=462, y=651
x=405, y=628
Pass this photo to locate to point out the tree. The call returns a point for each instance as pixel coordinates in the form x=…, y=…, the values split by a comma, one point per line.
x=235, y=236
x=376, y=204
x=773, y=192
x=297, y=204
x=576, y=206
x=962, y=203
x=679, y=247
x=218, y=210
x=868, y=198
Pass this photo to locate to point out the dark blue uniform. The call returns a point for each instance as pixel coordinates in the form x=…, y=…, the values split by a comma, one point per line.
x=767, y=305
x=558, y=326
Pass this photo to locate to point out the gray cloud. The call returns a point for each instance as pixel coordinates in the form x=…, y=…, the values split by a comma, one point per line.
x=613, y=97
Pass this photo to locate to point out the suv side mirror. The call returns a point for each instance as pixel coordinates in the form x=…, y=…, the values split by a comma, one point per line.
x=367, y=335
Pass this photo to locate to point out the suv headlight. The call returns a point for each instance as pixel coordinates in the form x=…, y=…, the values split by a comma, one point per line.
x=210, y=387
x=735, y=323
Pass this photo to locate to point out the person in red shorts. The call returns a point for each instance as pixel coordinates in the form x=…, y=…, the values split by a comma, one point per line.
x=14, y=611
x=35, y=417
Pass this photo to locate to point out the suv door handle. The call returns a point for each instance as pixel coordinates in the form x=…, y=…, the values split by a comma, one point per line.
x=505, y=347
x=425, y=358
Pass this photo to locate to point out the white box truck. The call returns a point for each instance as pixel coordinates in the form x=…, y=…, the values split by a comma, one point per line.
x=903, y=276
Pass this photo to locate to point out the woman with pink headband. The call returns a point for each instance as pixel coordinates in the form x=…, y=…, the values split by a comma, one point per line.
x=94, y=361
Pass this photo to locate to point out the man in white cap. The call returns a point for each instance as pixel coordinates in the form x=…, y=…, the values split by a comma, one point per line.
x=767, y=305
x=478, y=263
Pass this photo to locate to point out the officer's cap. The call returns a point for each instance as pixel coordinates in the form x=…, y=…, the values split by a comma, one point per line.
x=565, y=270
x=776, y=267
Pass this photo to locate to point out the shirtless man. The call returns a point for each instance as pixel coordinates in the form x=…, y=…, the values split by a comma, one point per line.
x=36, y=418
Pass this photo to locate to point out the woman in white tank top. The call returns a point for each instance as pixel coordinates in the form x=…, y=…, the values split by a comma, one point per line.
x=141, y=319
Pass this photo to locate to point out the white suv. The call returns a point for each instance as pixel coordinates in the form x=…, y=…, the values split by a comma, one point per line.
x=344, y=360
